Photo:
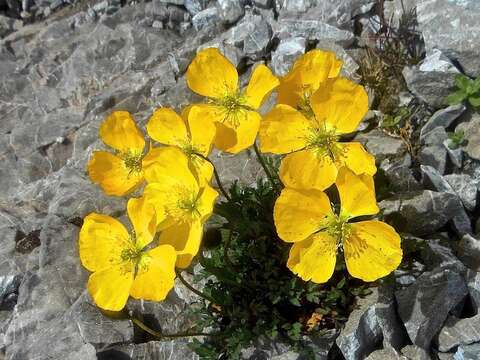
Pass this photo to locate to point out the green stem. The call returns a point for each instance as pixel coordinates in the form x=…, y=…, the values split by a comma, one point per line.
x=217, y=177
x=192, y=289
x=261, y=160
x=160, y=335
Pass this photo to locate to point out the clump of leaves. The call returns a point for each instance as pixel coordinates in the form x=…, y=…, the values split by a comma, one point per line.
x=456, y=139
x=255, y=296
x=468, y=90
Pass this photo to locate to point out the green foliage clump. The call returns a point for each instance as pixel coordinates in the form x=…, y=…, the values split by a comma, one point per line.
x=468, y=90
x=456, y=138
x=255, y=296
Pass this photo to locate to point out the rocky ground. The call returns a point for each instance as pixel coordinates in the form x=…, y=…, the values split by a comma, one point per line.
x=65, y=64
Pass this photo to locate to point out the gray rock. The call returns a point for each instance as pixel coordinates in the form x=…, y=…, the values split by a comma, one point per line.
x=465, y=187
x=454, y=154
x=413, y=352
x=471, y=130
x=467, y=352
x=458, y=332
x=381, y=145
x=424, y=306
x=420, y=212
x=230, y=10
x=469, y=251
x=385, y=354
x=193, y=6
x=205, y=18
x=373, y=321
x=437, y=136
x=151, y=350
x=264, y=4
x=399, y=175
x=443, y=118
x=287, y=51
x=452, y=27
x=434, y=180
x=9, y=25
x=434, y=156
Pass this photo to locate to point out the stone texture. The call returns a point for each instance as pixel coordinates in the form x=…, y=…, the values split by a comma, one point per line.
x=465, y=187
x=471, y=130
x=442, y=118
x=230, y=10
x=287, y=51
x=469, y=251
x=458, y=332
x=381, y=145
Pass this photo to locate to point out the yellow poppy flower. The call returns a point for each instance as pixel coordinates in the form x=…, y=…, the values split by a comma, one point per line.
x=191, y=133
x=122, y=266
x=312, y=143
x=371, y=248
x=119, y=173
x=234, y=111
x=304, y=78
x=177, y=196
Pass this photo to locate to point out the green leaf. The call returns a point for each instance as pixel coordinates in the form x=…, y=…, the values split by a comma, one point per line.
x=456, y=98
x=462, y=81
x=476, y=84
x=474, y=100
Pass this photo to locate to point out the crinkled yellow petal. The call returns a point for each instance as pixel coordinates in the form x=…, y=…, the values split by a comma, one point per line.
x=314, y=258
x=341, y=103
x=211, y=74
x=283, y=130
x=357, y=159
x=306, y=170
x=168, y=166
x=156, y=274
x=101, y=241
x=143, y=217
x=110, y=287
x=262, y=83
x=185, y=237
x=372, y=250
x=306, y=75
x=166, y=127
x=203, y=170
x=357, y=194
x=300, y=213
x=233, y=139
x=110, y=172
x=120, y=132
x=206, y=202
x=202, y=127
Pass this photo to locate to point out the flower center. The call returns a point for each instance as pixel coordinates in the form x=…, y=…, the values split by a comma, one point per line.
x=132, y=161
x=339, y=228
x=233, y=108
x=325, y=143
x=189, y=205
x=135, y=254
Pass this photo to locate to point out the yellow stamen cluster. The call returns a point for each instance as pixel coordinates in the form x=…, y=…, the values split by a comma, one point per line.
x=132, y=161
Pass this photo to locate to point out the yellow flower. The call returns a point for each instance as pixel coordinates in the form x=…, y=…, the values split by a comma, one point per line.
x=234, y=111
x=191, y=133
x=306, y=75
x=119, y=173
x=181, y=203
x=371, y=248
x=119, y=260
x=312, y=142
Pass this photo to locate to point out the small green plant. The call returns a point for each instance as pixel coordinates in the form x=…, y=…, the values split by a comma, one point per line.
x=456, y=138
x=468, y=90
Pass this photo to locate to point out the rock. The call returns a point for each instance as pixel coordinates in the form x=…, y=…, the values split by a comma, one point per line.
x=442, y=118
x=471, y=130
x=452, y=28
x=8, y=25
x=420, y=212
x=264, y=4
x=436, y=136
x=381, y=145
x=193, y=6
x=399, y=175
x=469, y=251
x=205, y=18
x=467, y=352
x=151, y=350
x=373, y=321
x=413, y=352
x=287, y=51
x=465, y=187
x=454, y=154
x=230, y=10
x=458, y=332
x=434, y=156
x=385, y=354
x=424, y=305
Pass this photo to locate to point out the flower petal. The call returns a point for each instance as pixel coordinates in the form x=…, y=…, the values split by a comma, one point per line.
x=262, y=83
x=283, y=130
x=341, y=103
x=372, y=250
x=110, y=172
x=185, y=237
x=306, y=75
x=206, y=202
x=235, y=138
x=110, y=287
x=305, y=169
x=144, y=219
x=156, y=275
x=357, y=193
x=166, y=127
x=101, y=241
x=202, y=127
x=203, y=170
x=300, y=213
x=211, y=74
x=120, y=132
x=357, y=159
x=314, y=258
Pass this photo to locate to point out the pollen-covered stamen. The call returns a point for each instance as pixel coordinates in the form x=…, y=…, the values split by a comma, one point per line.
x=339, y=228
x=233, y=107
x=189, y=205
x=132, y=161
x=135, y=254
x=324, y=143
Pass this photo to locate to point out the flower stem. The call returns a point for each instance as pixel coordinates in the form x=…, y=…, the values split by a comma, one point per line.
x=192, y=289
x=217, y=177
x=160, y=335
x=261, y=160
